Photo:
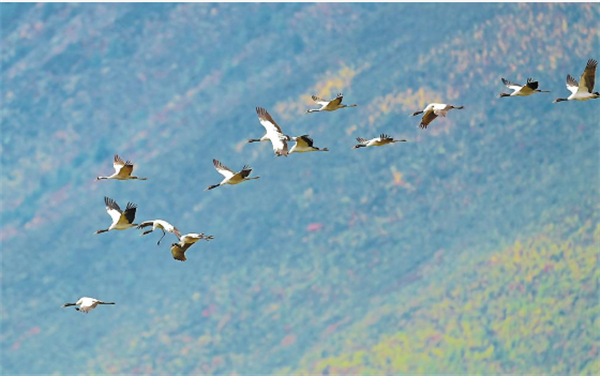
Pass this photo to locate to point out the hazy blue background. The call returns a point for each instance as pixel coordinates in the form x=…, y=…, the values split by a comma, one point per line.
x=311, y=251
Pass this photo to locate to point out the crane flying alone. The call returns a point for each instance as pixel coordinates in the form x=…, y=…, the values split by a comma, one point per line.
x=230, y=176
x=123, y=171
x=304, y=144
x=383, y=139
x=274, y=134
x=86, y=304
x=186, y=241
x=121, y=220
x=584, y=89
x=434, y=110
x=332, y=105
x=159, y=224
x=529, y=88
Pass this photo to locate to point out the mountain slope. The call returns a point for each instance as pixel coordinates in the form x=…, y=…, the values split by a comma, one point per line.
x=302, y=249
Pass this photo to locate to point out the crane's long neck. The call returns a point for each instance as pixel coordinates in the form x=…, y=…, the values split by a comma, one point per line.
x=542, y=91
x=313, y=110
x=106, y=303
x=503, y=95
x=103, y=177
x=101, y=231
x=560, y=100
x=137, y=178
x=417, y=113
x=253, y=140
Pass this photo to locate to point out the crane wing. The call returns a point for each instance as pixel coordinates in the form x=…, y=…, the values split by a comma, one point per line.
x=118, y=163
x=531, y=84
x=279, y=143
x=246, y=170
x=587, y=80
x=427, y=118
x=267, y=121
x=113, y=209
x=304, y=141
x=572, y=84
x=337, y=100
x=145, y=224
x=320, y=101
x=178, y=250
x=129, y=213
x=123, y=168
x=511, y=85
x=223, y=170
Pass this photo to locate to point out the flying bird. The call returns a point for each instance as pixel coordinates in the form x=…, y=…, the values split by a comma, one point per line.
x=519, y=90
x=121, y=220
x=230, y=176
x=383, y=139
x=584, y=89
x=123, y=171
x=159, y=224
x=273, y=133
x=434, y=110
x=304, y=144
x=186, y=241
x=85, y=304
x=332, y=105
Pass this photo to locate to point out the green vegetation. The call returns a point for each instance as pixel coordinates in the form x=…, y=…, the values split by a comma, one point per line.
x=532, y=308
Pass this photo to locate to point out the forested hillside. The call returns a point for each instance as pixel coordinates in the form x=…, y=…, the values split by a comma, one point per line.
x=352, y=261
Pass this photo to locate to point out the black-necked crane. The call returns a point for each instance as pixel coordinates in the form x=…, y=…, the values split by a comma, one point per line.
x=121, y=220
x=434, y=110
x=230, y=176
x=86, y=304
x=332, y=105
x=185, y=242
x=123, y=171
x=160, y=224
x=304, y=144
x=531, y=87
x=383, y=139
x=273, y=133
x=584, y=89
